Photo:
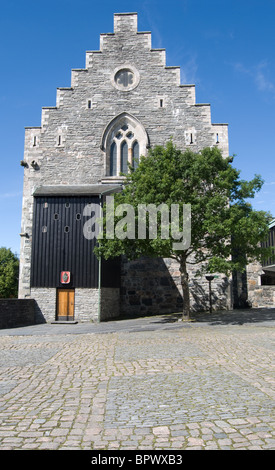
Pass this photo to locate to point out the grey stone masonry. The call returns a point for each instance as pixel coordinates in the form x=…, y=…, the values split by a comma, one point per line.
x=125, y=81
x=90, y=304
x=258, y=295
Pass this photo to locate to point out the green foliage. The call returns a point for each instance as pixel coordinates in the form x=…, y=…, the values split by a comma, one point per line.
x=226, y=231
x=9, y=271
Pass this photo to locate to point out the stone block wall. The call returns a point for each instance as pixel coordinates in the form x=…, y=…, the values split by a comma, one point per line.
x=110, y=303
x=153, y=287
x=88, y=307
x=45, y=304
x=86, y=304
x=16, y=312
x=258, y=296
x=148, y=288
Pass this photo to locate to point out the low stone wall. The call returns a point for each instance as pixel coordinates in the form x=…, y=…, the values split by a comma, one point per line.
x=16, y=312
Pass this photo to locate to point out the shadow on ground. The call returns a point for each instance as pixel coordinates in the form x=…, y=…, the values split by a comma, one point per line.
x=231, y=317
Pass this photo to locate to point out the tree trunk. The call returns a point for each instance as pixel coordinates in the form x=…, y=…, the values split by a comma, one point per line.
x=185, y=289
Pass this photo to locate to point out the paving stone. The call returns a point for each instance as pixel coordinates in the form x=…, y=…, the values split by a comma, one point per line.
x=82, y=391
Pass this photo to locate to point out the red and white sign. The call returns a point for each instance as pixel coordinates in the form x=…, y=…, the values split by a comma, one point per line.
x=65, y=277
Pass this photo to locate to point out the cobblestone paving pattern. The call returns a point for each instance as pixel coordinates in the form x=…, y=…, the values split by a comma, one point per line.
x=201, y=387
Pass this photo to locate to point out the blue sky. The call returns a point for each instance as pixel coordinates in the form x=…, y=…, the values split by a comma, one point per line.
x=224, y=47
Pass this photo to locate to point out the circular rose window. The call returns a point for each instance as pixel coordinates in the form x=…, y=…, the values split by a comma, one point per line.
x=125, y=78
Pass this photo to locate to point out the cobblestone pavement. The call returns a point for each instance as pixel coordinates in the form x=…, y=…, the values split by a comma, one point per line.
x=152, y=383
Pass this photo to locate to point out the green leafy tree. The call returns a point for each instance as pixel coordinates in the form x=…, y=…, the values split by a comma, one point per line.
x=225, y=230
x=9, y=271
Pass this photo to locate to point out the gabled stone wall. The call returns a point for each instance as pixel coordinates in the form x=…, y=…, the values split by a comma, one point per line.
x=70, y=147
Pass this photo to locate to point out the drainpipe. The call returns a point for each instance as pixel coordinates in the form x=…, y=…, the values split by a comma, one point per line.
x=99, y=288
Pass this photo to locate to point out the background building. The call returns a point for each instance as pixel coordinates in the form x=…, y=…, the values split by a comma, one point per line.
x=260, y=283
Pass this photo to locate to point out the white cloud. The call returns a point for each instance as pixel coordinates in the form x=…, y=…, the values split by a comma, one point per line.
x=259, y=73
x=189, y=70
x=261, y=80
x=10, y=195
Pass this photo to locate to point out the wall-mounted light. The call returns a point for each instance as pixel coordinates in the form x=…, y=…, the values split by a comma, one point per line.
x=35, y=165
x=24, y=234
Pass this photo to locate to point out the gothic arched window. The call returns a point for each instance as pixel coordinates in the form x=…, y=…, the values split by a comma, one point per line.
x=123, y=149
x=123, y=141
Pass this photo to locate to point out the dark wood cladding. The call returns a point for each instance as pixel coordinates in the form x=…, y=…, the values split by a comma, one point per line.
x=58, y=244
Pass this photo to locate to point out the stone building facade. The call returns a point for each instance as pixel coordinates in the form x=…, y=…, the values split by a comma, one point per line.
x=123, y=102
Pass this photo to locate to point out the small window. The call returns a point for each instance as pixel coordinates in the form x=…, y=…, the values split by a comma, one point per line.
x=78, y=216
x=67, y=205
x=66, y=229
x=44, y=229
x=268, y=278
x=217, y=139
x=89, y=104
x=161, y=103
x=45, y=205
x=191, y=139
x=59, y=140
x=56, y=216
x=34, y=141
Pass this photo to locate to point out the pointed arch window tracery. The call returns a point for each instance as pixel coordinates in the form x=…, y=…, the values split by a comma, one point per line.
x=124, y=149
x=124, y=140
x=113, y=159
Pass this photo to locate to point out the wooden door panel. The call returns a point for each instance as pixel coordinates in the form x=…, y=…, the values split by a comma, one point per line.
x=62, y=303
x=65, y=304
x=71, y=304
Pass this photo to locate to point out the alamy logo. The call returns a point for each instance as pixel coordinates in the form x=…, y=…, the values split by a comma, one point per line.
x=145, y=221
